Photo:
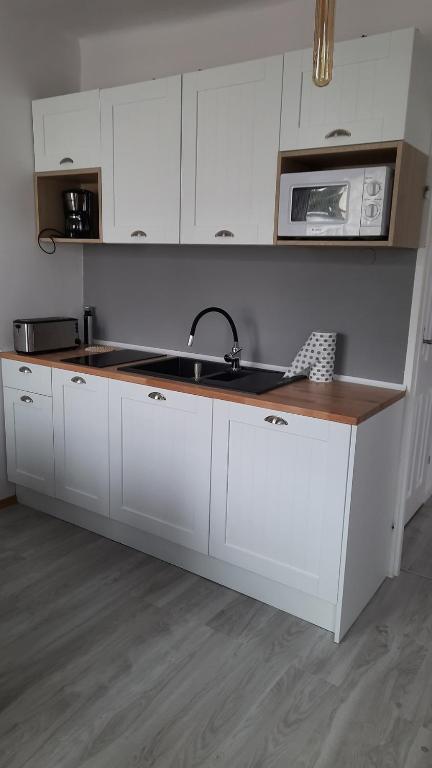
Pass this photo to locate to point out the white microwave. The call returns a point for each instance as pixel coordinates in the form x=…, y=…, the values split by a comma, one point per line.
x=343, y=202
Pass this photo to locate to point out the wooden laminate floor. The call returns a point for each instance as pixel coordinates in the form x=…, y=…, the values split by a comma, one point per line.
x=112, y=659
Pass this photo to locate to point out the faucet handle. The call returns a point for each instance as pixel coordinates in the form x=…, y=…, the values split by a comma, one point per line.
x=233, y=355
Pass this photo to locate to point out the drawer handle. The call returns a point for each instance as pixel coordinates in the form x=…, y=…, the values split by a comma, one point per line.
x=224, y=233
x=276, y=420
x=26, y=399
x=337, y=133
x=138, y=233
x=157, y=396
x=66, y=160
x=78, y=380
x=25, y=369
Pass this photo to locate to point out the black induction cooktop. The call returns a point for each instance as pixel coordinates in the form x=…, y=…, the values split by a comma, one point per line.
x=107, y=359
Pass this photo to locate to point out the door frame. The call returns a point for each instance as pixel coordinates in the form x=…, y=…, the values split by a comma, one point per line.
x=423, y=274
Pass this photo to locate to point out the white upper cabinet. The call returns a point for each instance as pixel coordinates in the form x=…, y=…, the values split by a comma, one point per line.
x=141, y=129
x=231, y=123
x=278, y=495
x=378, y=93
x=80, y=407
x=67, y=132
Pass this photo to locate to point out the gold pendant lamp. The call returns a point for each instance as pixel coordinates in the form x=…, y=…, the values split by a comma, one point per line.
x=323, y=42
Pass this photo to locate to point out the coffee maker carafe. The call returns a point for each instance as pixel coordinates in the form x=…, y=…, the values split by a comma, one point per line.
x=77, y=204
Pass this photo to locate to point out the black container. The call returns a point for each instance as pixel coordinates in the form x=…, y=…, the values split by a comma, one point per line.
x=78, y=209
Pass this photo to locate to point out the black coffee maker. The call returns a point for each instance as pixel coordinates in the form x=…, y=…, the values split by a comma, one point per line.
x=78, y=209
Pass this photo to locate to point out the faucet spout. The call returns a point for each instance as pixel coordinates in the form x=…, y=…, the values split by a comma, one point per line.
x=234, y=356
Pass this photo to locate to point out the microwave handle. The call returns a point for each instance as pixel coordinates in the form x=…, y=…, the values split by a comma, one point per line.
x=337, y=133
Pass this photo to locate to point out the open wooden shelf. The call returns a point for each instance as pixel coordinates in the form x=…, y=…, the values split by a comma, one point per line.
x=49, y=186
x=408, y=189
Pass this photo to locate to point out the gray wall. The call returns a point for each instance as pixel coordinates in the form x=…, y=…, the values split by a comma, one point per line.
x=148, y=295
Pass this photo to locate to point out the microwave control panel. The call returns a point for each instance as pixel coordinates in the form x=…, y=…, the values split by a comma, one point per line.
x=377, y=191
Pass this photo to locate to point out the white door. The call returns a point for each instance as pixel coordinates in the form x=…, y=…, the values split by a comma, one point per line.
x=29, y=440
x=231, y=123
x=66, y=131
x=160, y=449
x=418, y=423
x=141, y=130
x=81, y=439
x=361, y=104
x=278, y=495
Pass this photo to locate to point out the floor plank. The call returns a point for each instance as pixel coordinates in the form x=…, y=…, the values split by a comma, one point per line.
x=417, y=552
x=112, y=659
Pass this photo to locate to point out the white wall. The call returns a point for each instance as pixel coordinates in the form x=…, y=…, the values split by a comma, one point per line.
x=33, y=64
x=128, y=56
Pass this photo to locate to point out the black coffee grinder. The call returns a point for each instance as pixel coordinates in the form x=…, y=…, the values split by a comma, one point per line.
x=78, y=209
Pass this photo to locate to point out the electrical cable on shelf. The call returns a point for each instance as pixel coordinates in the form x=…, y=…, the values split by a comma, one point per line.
x=52, y=231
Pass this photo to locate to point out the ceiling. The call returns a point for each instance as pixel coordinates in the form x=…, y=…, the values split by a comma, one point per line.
x=86, y=17
x=83, y=18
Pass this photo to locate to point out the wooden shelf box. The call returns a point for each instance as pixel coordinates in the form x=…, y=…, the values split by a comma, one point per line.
x=49, y=186
x=408, y=189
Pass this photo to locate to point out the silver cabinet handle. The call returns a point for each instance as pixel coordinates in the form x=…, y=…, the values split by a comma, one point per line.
x=25, y=369
x=66, y=160
x=337, y=132
x=26, y=399
x=427, y=341
x=157, y=396
x=138, y=233
x=78, y=380
x=276, y=420
x=224, y=233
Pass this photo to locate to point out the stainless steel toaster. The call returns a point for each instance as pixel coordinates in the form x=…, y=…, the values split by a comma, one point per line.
x=45, y=334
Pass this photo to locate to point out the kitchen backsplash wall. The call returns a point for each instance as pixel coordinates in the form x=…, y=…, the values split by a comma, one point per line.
x=149, y=295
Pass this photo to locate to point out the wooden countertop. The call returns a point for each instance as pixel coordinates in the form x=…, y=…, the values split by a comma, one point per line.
x=338, y=401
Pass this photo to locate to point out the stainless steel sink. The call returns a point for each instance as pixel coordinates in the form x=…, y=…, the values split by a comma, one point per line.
x=211, y=374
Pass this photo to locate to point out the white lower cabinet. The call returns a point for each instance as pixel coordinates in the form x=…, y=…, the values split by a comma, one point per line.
x=29, y=440
x=278, y=495
x=160, y=454
x=81, y=439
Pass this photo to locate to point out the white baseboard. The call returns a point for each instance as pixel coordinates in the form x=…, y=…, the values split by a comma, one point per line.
x=300, y=604
x=247, y=363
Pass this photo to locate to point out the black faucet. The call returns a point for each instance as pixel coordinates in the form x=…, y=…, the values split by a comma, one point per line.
x=232, y=357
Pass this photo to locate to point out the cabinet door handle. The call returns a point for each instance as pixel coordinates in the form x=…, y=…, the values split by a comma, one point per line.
x=224, y=233
x=157, y=396
x=26, y=399
x=337, y=133
x=138, y=233
x=78, y=380
x=276, y=420
x=66, y=161
x=25, y=369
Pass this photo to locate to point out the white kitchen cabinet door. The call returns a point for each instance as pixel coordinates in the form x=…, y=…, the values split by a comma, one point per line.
x=366, y=100
x=160, y=449
x=230, y=139
x=29, y=440
x=278, y=495
x=66, y=131
x=141, y=133
x=80, y=405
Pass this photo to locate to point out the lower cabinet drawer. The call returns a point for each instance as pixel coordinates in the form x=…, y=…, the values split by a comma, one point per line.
x=29, y=440
x=80, y=406
x=160, y=453
x=278, y=495
x=19, y=374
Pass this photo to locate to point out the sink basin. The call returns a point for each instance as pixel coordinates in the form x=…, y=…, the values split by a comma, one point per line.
x=177, y=368
x=216, y=375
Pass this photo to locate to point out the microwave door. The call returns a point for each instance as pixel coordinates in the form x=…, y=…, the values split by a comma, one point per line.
x=323, y=203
